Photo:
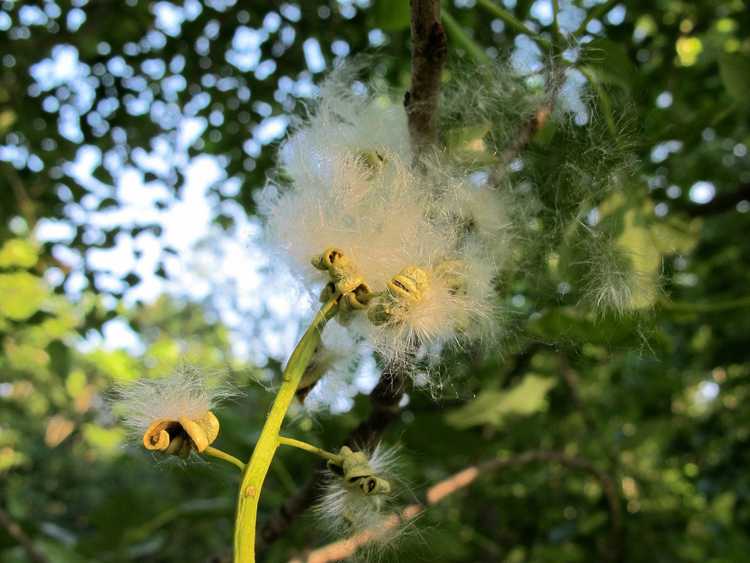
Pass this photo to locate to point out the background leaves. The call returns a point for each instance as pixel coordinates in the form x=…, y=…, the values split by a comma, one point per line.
x=101, y=157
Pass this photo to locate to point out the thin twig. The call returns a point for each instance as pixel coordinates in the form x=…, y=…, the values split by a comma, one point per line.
x=16, y=532
x=698, y=308
x=571, y=380
x=384, y=400
x=320, y=452
x=514, y=23
x=573, y=383
x=462, y=39
x=224, y=456
x=530, y=127
x=343, y=549
x=594, y=13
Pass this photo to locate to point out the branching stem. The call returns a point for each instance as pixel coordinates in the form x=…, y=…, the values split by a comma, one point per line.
x=265, y=449
x=320, y=452
x=595, y=13
x=462, y=39
x=218, y=454
x=712, y=307
x=514, y=23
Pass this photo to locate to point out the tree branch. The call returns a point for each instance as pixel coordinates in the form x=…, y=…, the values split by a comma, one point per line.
x=428, y=53
x=16, y=532
x=343, y=549
x=384, y=399
x=525, y=134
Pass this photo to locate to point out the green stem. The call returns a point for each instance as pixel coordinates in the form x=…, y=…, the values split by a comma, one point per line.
x=320, y=452
x=594, y=13
x=217, y=453
x=260, y=461
x=462, y=39
x=601, y=93
x=555, y=23
x=512, y=22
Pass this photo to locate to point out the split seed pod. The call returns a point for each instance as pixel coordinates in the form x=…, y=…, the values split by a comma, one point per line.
x=173, y=415
x=345, y=279
x=180, y=436
x=357, y=474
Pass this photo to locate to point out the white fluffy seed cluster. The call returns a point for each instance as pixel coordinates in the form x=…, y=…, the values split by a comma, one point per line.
x=345, y=510
x=184, y=393
x=347, y=179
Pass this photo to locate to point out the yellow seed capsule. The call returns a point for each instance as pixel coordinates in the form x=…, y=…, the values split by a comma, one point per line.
x=341, y=269
x=179, y=436
x=357, y=474
x=327, y=259
x=405, y=289
x=359, y=297
x=175, y=445
x=409, y=284
x=356, y=300
x=345, y=280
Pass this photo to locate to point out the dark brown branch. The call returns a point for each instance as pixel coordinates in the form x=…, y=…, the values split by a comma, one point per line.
x=526, y=133
x=16, y=532
x=571, y=380
x=428, y=53
x=384, y=399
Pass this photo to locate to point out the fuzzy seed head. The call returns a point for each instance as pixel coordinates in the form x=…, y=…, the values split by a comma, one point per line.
x=359, y=496
x=373, y=224
x=172, y=414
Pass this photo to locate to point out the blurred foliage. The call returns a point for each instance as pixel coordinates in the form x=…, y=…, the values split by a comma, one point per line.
x=653, y=399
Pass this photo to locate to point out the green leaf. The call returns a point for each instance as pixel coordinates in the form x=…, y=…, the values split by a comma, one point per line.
x=611, y=63
x=646, y=241
x=117, y=364
x=392, y=15
x=468, y=144
x=7, y=119
x=106, y=440
x=21, y=295
x=18, y=253
x=494, y=406
x=735, y=73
